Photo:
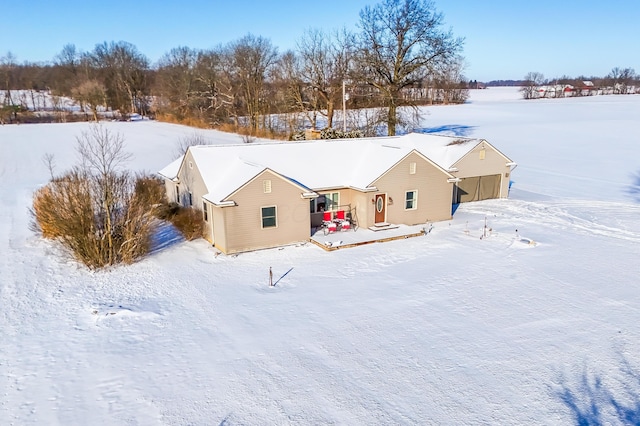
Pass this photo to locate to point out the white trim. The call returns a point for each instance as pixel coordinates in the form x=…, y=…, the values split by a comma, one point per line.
x=415, y=199
x=329, y=199
x=205, y=211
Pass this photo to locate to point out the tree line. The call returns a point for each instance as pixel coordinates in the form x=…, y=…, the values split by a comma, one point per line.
x=400, y=56
x=620, y=81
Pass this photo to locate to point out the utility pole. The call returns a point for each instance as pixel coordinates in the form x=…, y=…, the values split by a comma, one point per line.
x=345, y=97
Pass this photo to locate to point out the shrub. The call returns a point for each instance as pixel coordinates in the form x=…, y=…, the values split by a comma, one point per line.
x=150, y=191
x=72, y=210
x=102, y=215
x=189, y=222
x=166, y=211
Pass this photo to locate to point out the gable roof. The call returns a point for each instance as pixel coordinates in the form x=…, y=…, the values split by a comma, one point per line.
x=317, y=165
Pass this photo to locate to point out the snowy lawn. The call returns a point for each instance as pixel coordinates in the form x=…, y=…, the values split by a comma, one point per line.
x=538, y=326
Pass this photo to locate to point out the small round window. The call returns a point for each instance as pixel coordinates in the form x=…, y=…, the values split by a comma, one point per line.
x=379, y=204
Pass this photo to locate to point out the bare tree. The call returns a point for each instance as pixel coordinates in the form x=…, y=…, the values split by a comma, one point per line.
x=67, y=64
x=185, y=142
x=450, y=82
x=124, y=71
x=216, y=95
x=532, y=82
x=296, y=101
x=400, y=42
x=7, y=69
x=176, y=81
x=98, y=210
x=621, y=79
x=50, y=162
x=253, y=58
x=324, y=66
x=91, y=93
x=102, y=156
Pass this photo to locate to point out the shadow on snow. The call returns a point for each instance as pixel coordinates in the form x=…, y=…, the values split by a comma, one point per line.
x=596, y=400
x=165, y=236
x=634, y=187
x=448, y=129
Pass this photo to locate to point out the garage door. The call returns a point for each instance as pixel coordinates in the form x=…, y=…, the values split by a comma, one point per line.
x=478, y=188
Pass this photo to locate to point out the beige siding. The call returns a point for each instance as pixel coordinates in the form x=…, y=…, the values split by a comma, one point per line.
x=243, y=223
x=170, y=189
x=430, y=182
x=360, y=205
x=494, y=163
x=190, y=180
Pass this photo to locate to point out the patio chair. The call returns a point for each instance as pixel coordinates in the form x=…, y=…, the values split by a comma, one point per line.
x=342, y=222
x=326, y=218
x=328, y=224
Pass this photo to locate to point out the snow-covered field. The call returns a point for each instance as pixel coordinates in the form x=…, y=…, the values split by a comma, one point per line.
x=534, y=327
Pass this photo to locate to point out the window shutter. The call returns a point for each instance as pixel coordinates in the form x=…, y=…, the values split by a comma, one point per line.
x=266, y=186
x=412, y=168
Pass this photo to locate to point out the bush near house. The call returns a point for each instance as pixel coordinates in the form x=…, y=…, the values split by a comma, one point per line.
x=101, y=221
x=187, y=220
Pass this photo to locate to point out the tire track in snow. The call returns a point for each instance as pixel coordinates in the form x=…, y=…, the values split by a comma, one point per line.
x=565, y=214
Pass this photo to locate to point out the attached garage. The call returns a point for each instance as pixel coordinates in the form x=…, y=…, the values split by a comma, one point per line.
x=480, y=171
x=477, y=188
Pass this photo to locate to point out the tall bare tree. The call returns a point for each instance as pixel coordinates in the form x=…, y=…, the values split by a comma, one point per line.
x=449, y=81
x=621, y=79
x=176, y=81
x=125, y=75
x=400, y=42
x=215, y=77
x=103, y=157
x=253, y=58
x=91, y=94
x=532, y=82
x=292, y=94
x=7, y=70
x=324, y=65
x=67, y=66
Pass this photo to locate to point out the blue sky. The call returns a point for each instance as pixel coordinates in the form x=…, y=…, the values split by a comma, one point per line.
x=503, y=39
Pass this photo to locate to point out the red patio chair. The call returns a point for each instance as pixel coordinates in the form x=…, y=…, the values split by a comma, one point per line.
x=340, y=215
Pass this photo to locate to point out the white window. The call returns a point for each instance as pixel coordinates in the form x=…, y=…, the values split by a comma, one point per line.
x=411, y=200
x=266, y=186
x=333, y=201
x=412, y=168
x=190, y=199
x=205, y=211
x=269, y=219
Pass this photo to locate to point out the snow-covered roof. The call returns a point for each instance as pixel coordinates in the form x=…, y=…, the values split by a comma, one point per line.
x=319, y=164
x=171, y=171
x=445, y=151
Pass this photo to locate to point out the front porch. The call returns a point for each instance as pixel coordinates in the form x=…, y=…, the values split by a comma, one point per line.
x=360, y=236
